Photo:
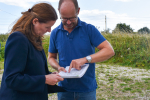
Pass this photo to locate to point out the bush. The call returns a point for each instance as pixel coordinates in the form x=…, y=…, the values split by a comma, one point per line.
x=3, y=37
x=130, y=50
x=46, y=44
x=2, y=49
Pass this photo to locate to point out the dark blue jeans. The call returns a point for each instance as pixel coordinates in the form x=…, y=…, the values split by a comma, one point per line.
x=77, y=95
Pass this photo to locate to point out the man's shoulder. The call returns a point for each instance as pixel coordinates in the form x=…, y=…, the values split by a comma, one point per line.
x=87, y=27
x=85, y=24
x=55, y=30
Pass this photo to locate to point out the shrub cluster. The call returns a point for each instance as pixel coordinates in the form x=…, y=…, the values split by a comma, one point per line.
x=2, y=48
x=130, y=49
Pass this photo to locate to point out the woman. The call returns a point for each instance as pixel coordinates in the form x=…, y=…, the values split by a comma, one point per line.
x=26, y=75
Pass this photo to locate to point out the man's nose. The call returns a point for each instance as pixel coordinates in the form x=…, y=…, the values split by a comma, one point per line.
x=68, y=21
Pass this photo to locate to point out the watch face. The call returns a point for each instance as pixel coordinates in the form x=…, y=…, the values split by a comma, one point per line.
x=89, y=58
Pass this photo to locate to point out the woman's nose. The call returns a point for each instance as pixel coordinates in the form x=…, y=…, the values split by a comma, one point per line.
x=49, y=30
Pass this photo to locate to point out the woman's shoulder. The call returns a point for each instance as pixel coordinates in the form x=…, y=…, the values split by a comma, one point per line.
x=17, y=36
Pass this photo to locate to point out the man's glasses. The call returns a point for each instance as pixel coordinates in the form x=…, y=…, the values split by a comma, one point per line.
x=66, y=19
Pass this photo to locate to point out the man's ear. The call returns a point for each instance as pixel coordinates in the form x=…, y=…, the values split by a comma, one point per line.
x=78, y=11
x=35, y=20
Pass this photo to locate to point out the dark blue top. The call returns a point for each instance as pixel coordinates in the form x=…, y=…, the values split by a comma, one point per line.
x=80, y=43
x=24, y=71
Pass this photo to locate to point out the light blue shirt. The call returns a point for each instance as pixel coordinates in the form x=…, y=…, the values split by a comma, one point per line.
x=80, y=43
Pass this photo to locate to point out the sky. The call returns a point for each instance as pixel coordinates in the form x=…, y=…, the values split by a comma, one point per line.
x=104, y=14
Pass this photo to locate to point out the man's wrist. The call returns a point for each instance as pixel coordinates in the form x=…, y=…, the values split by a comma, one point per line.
x=58, y=68
x=89, y=59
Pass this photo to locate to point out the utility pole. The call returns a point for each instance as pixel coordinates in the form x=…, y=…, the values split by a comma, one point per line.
x=105, y=23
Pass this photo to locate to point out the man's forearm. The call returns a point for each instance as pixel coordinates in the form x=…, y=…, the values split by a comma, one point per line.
x=102, y=55
x=105, y=52
x=54, y=63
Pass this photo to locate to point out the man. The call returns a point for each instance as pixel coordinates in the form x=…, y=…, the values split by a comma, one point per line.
x=75, y=42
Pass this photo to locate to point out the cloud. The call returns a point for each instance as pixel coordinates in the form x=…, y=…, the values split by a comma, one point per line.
x=24, y=3
x=124, y=0
x=97, y=18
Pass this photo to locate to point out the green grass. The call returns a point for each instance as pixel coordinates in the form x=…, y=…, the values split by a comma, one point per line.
x=1, y=65
x=113, y=85
x=117, y=86
x=130, y=50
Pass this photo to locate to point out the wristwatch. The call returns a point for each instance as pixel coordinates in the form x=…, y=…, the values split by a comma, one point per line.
x=89, y=58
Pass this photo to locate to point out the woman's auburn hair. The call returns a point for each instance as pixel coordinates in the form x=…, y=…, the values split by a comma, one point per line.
x=43, y=12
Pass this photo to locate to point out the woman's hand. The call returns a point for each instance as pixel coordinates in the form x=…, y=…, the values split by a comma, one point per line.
x=54, y=73
x=52, y=79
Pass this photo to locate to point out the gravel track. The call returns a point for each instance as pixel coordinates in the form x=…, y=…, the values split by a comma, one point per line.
x=118, y=71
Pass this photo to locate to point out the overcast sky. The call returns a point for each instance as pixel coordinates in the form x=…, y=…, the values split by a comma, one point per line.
x=135, y=13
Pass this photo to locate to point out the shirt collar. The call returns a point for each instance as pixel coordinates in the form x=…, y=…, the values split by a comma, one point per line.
x=78, y=25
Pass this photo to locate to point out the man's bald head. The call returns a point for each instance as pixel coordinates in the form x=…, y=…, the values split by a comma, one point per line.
x=75, y=2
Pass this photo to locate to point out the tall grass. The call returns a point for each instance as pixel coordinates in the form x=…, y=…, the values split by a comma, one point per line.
x=3, y=37
x=46, y=44
x=2, y=48
x=130, y=50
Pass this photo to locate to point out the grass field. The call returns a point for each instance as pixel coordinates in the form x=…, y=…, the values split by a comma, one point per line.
x=130, y=49
x=1, y=65
x=115, y=82
x=120, y=83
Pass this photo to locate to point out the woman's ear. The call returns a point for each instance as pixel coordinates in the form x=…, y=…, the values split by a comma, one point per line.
x=35, y=20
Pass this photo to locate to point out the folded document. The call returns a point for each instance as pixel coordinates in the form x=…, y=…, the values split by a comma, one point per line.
x=74, y=73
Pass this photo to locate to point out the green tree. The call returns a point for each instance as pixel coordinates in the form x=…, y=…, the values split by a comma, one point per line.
x=3, y=37
x=123, y=28
x=144, y=30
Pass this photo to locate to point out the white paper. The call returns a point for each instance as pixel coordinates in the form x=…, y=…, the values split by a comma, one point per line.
x=74, y=73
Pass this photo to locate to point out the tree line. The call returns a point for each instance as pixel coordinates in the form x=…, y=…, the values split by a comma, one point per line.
x=123, y=28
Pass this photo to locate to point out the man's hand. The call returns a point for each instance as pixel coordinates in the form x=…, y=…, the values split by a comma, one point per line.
x=61, y=69
x=77, y=63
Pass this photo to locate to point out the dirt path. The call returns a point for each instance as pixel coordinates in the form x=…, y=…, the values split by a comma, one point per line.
x=109, y=79
x=119, y=71
x=122, y=83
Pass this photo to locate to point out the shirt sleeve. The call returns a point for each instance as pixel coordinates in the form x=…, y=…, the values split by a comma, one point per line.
x=96, y=37
x=16, y=51
x=52, y=44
